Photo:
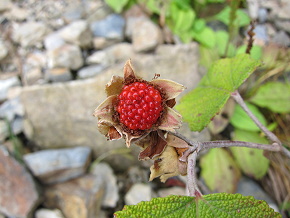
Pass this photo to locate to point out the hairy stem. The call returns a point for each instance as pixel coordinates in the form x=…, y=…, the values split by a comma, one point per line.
x=191, y=176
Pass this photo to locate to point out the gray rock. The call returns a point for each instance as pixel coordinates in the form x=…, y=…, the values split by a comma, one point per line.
x=30, y=33
x=77, y=33
x=17, y=125
x=11, y=108
x=58, y=75
x=6, y=84
x=67, y=56
x=74, y=12
x=146, y=35
x=97, y=10
x=102, y=42
x=53, y=41
x=47, y=213
x=249, y=187
x=32, y=75
x=4, y=130
x=262, y=15
x=58, y=165
x=18, y=14
x=90, y=71
x=261, y=36
x=253, y=8
x=278, y=9
x=137, y=193
x=77, y=198
x=5, y=5
x=112, y=27
x=3, y=50
x=111, y=195
x=282, y=39
x=283, y=25
x=18, y=192
x=171, y=191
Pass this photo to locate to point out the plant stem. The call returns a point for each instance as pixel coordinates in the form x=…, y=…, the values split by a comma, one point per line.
x=191, y=176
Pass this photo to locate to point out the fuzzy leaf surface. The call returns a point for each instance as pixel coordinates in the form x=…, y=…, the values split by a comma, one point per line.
x=221, y=205
x=274, y=96
x=200, y=105
x=251, y=161
x=219, y=170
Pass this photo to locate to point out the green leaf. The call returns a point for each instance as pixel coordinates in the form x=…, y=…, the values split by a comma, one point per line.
x=222, y=38
x=242, y=19
x=241, y=119
x=199, y=25
x=117, y=5
x=200, y=105
x=274, y=96
x=251, y=161
x=256, y=51
x=182, y=17
x=207, y=56
x=219, y=170
x=205, y=37
x=209, y=206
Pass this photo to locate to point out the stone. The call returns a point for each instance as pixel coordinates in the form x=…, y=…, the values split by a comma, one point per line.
x=67, y=56
x=74, y=12
x=262, y=15
x=77, y=33
x=97, y=10
x=102, y=42
x=283, y=25
x=146, y=36
x=11, y=108
x=4, y=130
x=33, y=75
x=47, y=213
x=3, y=50
x=58, y=165
x=171, y=191
x=281, y=39
x=111, y=195
x=58, y=75
x=111, y=27
x=261, y=36
x=77, y=198
x=53, y=41
x=17, y=125
x=6, y=84
x=18, y=192
x=5, y=5
x=253, y=8
x=18, y=14
x=30, y=33
x=90, y=71
x=137, y=193
x=278, y=9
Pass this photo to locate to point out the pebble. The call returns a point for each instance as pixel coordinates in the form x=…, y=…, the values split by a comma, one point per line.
x=48, y=213
x=73, y=13
x=112, y=27
x=17, y=125
x=18, y=14
x=77, y=198
x=58, y=75
x=283, y=25
x=111, y=195
x=77, y=33
x=262, y=15
x=30, y=33
x=58, y=165
x=137, y=193
x=6, y=84
x=102, y=42
x=171, y=191
x=53, y=41
x=90, y=71
x=282, y=39
x=5, y=5
x=261, y=36
x=3, y=50
x=18, y=192
x=67, y=56
x=32, y=74
x=11, y=108
x=146, y=35
x=4, y=130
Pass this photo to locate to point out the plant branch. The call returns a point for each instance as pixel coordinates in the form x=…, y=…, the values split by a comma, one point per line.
x=191, y=176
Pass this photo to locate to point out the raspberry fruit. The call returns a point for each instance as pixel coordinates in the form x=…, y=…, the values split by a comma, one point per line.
x=139, y=106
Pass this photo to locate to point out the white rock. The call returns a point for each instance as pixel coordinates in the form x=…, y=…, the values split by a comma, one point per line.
x=47, y=213
x=6, y=84
x=111, y=195
x=30, y=33
x=146, y=35
x=3, y=50
x=58, y=75
x=11, y=108
x=77, y=33
x=53, y=41
x=5, y=5
x=137, y=193
x=17, y=125
x=102, y=42
x=90, y=71
x=18, y=14
x=68, y=56
x=100, y=57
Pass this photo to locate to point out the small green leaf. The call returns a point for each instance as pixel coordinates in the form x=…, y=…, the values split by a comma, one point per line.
x=242, y=19
x=219, y=170
x=182, y=17
x=274, y=96
x=199, y=25
x=220, y=205
x=256, y=51
x=241, y=119
x=117, y=5
x=251, y=161
x=222, y=38
x=205, y=37
x=200, y=105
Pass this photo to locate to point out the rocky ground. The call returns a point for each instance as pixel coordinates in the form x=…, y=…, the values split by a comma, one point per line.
x=55, y=58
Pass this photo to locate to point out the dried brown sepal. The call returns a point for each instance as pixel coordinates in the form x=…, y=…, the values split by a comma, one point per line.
x=129, y=73
x=115, y=86
x=113, y=134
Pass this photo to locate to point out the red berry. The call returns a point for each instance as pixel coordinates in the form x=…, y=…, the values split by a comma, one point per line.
x=139, y=106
